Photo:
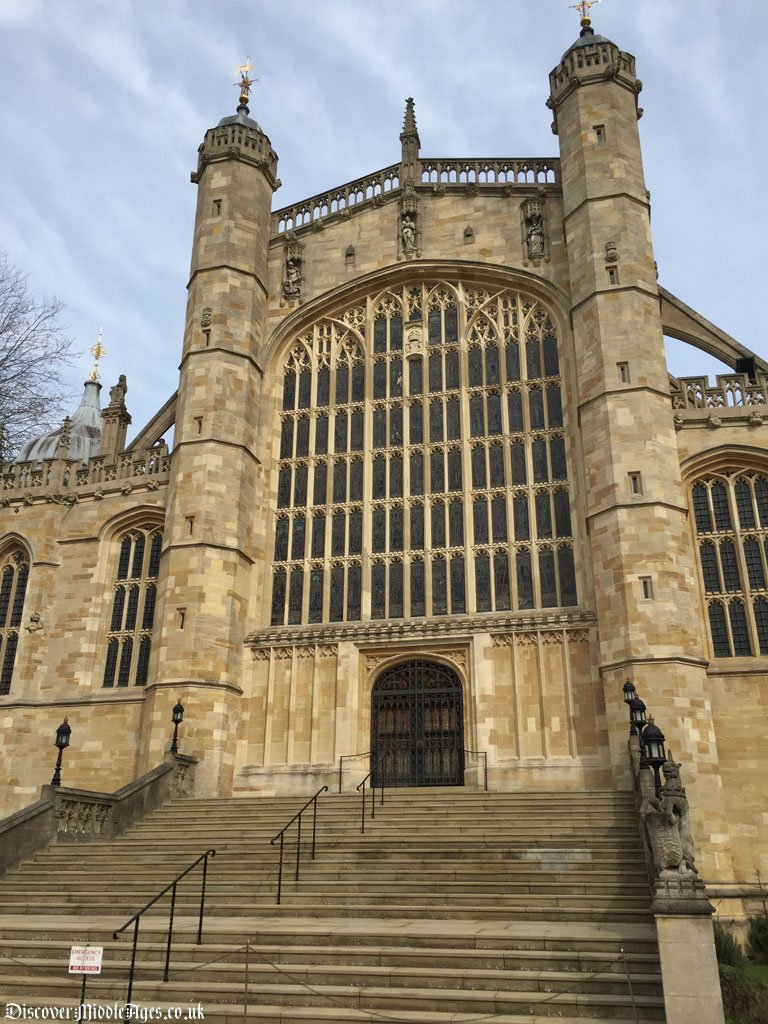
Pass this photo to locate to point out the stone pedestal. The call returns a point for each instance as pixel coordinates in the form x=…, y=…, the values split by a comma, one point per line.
x=689, y=969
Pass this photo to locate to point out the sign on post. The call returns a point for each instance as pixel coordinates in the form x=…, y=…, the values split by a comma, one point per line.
x=85, y=959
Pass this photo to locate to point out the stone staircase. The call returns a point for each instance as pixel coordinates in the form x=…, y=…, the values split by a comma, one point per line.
x=454, y=906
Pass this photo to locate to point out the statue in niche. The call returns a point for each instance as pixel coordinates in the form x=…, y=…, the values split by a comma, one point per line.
x=292, y=282
x=207, y=318
x=669, y=829
x=408, y=232
x=534, y=237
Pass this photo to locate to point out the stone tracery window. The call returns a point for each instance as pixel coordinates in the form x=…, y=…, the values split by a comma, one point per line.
x=14, y=573
x=730, y=512
x=422, y=465
x=129, y=638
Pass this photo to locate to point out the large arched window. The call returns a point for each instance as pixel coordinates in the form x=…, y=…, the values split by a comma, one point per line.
x=129, y=638
x=422, y=467
x=14, y=572
x=730, y=513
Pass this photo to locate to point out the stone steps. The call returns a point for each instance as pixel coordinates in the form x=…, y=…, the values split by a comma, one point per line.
x=453, y=906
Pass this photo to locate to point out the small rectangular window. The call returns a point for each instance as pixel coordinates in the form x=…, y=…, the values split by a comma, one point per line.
x=182, y=617
x=199, y=422
x=635, y=483
x=623, y=372
x=600, y=134
x=207, y=337
x=216, y=207
x=647, y=584
x=613, y=276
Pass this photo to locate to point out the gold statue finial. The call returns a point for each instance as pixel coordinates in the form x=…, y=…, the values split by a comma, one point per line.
x=584, y=7
x=244, y=81
x=98, y=352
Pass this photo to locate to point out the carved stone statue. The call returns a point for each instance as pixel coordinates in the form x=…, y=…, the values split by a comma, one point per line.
x=207, y=318
x=118, y=392
x=669, y=830
x=534, y=237
x=292, y=282
x=408, y=232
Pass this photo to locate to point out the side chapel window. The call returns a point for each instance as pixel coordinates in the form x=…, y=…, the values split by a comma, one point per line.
x=129, y=638
x=730, y=514
x=423, y=479
x=14, y=572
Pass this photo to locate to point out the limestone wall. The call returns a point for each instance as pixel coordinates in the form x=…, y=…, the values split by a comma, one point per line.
x=60, y=659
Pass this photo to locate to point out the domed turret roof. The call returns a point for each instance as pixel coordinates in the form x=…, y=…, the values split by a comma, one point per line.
x=587, y=37
x=241, y=117
x=84, y=432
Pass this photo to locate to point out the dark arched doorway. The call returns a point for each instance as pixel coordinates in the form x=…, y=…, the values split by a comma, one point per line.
x=417, y=721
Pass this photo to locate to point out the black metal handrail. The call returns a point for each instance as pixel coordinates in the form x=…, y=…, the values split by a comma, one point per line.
x=349, y=757
x=281, y=836
x=361, y=790
x=485, y=763
x=136, y=918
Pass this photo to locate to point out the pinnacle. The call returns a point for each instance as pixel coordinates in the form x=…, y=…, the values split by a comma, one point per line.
x=409, y=122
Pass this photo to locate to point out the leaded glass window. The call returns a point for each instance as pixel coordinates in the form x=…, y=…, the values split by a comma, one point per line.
x=730, y=517
x=458, y=500
x=14, y=574
x=129, y=638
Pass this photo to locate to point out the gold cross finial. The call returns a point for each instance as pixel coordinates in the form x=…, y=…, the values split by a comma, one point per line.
x=584, y=7
x=244, y=82
x=98, y=352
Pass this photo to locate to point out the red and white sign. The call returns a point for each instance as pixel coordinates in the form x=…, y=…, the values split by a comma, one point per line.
x=85, y=959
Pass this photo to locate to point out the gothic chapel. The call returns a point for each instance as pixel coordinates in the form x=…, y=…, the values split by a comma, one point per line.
x=433, y=497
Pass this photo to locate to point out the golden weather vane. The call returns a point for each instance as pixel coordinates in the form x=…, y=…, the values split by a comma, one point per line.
x=98, y=352
x=584, y=7
x=244, y=82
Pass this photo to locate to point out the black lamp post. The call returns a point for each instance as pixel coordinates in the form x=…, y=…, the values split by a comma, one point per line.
x=652, y=739
x=636, y=715
x=62, y=742
x=629, y=691
x=177, y=715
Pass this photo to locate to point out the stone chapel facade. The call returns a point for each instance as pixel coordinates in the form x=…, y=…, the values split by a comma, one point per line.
x=433, y=495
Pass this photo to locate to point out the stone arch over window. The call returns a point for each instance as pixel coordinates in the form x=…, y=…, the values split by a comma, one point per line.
x=730, y=522
x=422, y=467
x=134, y=575
x=14, y=576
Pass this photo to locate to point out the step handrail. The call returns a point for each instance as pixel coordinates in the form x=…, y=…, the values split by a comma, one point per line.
x=485, y=762
x=349, y=757
x=171, y=887
x=361, y=790
x=281, y=836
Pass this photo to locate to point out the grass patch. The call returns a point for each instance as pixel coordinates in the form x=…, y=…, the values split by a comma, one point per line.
x=757, y=973
x=745, y=999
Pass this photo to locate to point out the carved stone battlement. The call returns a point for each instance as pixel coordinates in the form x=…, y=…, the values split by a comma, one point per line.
x=599, y=59
x=435, y=172
x=731, y=391
x=363, y=191
x=65, y=481
x=239, y=142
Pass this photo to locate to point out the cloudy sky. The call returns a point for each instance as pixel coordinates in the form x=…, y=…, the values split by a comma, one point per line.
x=105, y=103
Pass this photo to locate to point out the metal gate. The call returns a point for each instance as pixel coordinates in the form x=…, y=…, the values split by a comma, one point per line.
x=417, y=720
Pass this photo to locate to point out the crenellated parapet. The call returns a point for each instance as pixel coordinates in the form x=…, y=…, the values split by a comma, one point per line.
x=437, y=175
x=731, y=391
x=68, y=481
x=590, y=60
x=237, y=141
